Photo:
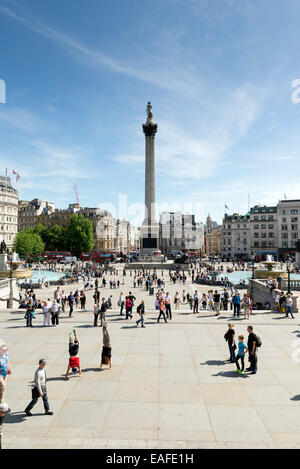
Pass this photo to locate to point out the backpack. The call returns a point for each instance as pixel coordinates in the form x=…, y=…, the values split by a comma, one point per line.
x=258, y=341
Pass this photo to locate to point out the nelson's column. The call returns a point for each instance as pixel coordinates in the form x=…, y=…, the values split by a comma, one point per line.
x=150, y=227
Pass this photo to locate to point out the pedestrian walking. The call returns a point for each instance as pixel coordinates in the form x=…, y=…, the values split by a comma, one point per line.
x=289, y=306
x=39, y=390
x=141, y=311
x=168, y=306
x=217, y=298
x=162, y=311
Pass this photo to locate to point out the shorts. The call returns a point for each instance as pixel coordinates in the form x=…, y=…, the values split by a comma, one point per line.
x=74, y=362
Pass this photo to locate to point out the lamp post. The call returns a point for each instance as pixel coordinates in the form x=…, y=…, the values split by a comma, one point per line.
x=11, y=293
x=253, y=264
x=289, y=265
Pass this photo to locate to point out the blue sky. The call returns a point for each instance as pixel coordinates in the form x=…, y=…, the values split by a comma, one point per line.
x=218, y=73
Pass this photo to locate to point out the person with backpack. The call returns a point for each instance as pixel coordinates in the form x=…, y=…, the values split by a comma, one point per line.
x=253, y=343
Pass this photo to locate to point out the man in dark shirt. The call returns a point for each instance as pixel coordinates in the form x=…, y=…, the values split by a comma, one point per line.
x=132, y=299
x=71, y=300
x=96, y=296
x=103, y=309
x=252, y=351
x=217, y=297
x=229, y=337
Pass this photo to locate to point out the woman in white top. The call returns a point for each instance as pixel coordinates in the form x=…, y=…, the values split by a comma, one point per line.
x=121, y=303
x=46, y=313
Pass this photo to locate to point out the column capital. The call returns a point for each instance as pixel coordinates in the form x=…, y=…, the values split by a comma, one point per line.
x=150, y=129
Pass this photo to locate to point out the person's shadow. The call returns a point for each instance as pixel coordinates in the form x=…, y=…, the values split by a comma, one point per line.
x=214, y=362
x=15, y=417
x=231, y=374
x=296, y=398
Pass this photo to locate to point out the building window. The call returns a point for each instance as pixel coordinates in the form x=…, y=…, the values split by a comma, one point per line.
x=256, y=227
x=294, y=227
x=263, y=217
x=255, y=218
x=256, y=235
x=284, y=235
x=263, y=235
x=256, y=244
x=271, y=227
x=263, y=227
x=294, y=219
x=284, y=227
x=271, y=235
x=294, y=211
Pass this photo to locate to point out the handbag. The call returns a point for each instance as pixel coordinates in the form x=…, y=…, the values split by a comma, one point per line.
x=35, y=392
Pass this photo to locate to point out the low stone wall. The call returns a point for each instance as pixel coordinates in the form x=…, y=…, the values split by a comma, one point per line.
x=157, y=265
x=261, y=293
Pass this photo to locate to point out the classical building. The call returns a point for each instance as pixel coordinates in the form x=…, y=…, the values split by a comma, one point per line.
x=123, y=236
x=236, y=236
x=213, y=238
x=29, y=211
x=288, y=215
x=8, y=211
x=264, y=230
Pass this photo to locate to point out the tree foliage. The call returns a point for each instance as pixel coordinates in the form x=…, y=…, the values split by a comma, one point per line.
x=79, y=235
x=27, y=242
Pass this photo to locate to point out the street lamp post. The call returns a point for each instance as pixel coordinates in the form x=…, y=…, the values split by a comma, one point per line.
x=289, y=265
x=253, y=264
x=11, y=293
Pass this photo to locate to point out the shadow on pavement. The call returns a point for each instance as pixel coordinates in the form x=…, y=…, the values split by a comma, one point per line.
x=15, y=417
x=296, y=398
x=214, y=362
x=230, y=374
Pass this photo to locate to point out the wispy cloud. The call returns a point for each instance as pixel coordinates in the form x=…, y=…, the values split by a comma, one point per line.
x=184, y=80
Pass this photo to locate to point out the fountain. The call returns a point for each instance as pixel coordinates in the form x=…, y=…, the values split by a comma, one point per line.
x=269, y=271
x=11, y=266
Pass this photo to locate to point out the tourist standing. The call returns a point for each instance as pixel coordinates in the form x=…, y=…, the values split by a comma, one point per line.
x=217, y=297
x=196, y=302
x=46, y=313
x=168, y=306
x=229, y=337
x=242, y=349
x=39, y=389
x=236, y=304
x=103, y=309
x=252, y=346
x=55, y=313
x=246, y=305
x=71, y=300
x=4, y=369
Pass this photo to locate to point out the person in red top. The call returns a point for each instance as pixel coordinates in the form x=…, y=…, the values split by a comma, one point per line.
x=74, y=362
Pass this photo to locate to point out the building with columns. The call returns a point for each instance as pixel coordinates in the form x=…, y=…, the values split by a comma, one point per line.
x=8, y=212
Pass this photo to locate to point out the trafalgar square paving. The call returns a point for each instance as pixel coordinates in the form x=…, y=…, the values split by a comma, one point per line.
x=169, y=386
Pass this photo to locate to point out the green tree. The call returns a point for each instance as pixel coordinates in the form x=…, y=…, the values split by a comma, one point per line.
x=79, y=235
x=27, y=242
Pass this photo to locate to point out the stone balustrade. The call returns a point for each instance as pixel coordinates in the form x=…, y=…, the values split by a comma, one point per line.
x=261, y=293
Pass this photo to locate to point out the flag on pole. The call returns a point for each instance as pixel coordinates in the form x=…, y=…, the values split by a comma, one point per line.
x=226, y=207
x=17, y=175
x=284, y=196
